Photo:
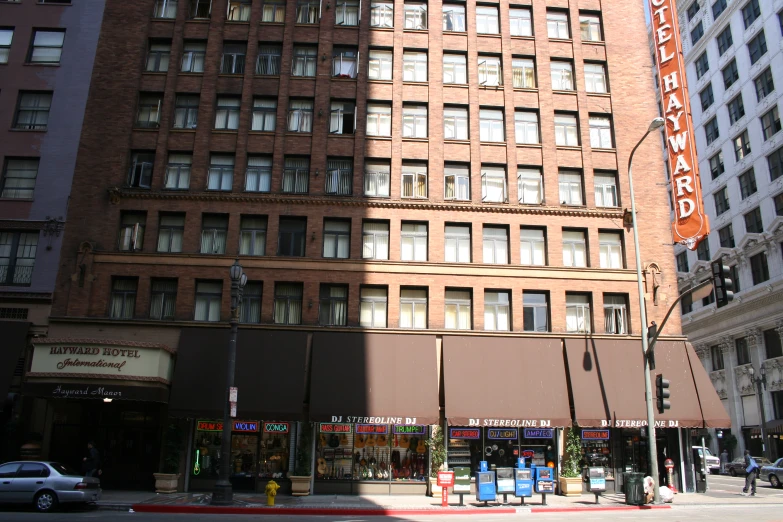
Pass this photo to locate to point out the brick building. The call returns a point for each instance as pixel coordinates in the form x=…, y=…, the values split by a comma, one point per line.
x=427, y=199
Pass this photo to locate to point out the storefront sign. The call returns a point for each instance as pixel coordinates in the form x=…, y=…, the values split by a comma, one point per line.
x=691, y=224
x=539, y=434
x=276, y=427
x=510, y=423
x=156, y=393
x=461, y=433
x=246, y=426
x=209, y=425
x=595, y=434
x=416, y=429
x=507, y=434
x=620, y=423
x=372, y=428
x=238, y=425
x=373, y=420
x=334, y=427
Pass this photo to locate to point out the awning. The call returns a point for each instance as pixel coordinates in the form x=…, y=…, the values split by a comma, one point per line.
x=68, y=389
x=771, y=427
x=14, y=336
x=712, y=410
x=374, y=378
x=269, y=375
x=503, y=381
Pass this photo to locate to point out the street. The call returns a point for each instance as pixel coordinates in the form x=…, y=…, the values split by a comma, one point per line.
x=726, y=487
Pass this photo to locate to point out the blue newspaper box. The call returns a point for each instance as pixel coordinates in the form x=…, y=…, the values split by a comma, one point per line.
x=545, y=480
x=485, y=486
x=523, y=482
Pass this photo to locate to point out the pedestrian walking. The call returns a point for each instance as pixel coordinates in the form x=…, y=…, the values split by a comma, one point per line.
x=724, y=459
x=753, y=470
x=91, y=462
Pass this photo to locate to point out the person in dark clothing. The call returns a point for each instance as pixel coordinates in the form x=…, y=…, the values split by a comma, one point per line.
x=753, y=470
x=91, y=463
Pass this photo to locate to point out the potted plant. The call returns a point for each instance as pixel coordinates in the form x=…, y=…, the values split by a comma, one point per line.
x=168, y=480
x=571, y=471
x=300, y=480
x=437, y=458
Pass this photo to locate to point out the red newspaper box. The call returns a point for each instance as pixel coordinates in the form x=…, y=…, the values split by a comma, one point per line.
x=446, y=479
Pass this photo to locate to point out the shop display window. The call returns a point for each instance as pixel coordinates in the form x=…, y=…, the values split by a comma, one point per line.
x=501, y=447
x=597, y=452
x=274, y=450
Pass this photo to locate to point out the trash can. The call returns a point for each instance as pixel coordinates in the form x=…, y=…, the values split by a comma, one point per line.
x=701, y=482
x=634, y=488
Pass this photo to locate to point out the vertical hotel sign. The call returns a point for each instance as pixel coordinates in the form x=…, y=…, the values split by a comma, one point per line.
x=690, y=225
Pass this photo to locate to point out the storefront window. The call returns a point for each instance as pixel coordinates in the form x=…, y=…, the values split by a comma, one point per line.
x=501, y=447
x=596, y=452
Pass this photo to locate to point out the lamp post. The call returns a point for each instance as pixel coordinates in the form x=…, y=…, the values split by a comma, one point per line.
x=759, y=382
x=223, y=494
x=657, y=123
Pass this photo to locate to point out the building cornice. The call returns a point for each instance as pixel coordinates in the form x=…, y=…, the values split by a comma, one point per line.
x=718, y=319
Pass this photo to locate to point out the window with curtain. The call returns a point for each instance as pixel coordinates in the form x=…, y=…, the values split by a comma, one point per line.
x=334, y=305
x=269, y=56
x=346, y=12
x=291, y=237
x=520, y=21
x=459, y=315
x=342, y=118
x=493, y=185
x=148, y=114
x=233, y=59
x=199, y=9
x=17, y=257
x=372, y=307
x=252, y=236
x=378, y=119
x=413, y=238
x=415, y=16
x=305, y=59
x=414, y=121
x=380, y=65
x=375, y=240
x=414, y=181
x=33, y=110
x=344, y=62
x=574, y=248
x=530, y=186
x=339, y=176
x=523, y=72
x=455, y=123
x=490, y=73
x=296, y=175
x=178, y=171
x=214, y=228
x=209, y=295
x=535, y=311
x=165, y=9
x=743, y=353
x=414, y=66
x=18, y=180
x=227, y=113
x=456, y=182
x=47, y=46
x=578, y=313
x=570, y=188
x=497, y=311
x=170, y=232
x=259, y=174
x=616, y=314
x=132, y=225
x=600, y=132
x=163, y=299
x=273, y=11
x=337, y=238
x=186, y=111
x=595, y=78
x=717, y=358
x=487, y=20
x=532, y=246
x=562, y=74
x=557, y=24
x=605, y=190
x=140, y=171
x=455, y=69
x=377, y=177
x=264, y=114
x=526, y=127
x=238, y=10
x=300, y=116
x=382, y=14
x=457, y=248
x=123, y=297
x=491, y=125
x=590, y=27
x=413, y=308
x=193, y=54
x=454, y=18
x=221, y=173
x=288, y=303
x=158, y=55
x=495, y=243
x=250, y=307
x=308, y=11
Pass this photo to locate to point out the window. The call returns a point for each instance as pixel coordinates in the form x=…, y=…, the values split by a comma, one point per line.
x=574, y=248
x=494, y=188
x=288, y=303
x=347, y=12
x=414, y=66
x=6, y=36
x=165, y=9
x=457, y=244
x=530, y=186
x=711, y=130
x=193, y=57
x=233, y=58
x=757, y=47
x=724, y=41
x=291, y=237
x=252, y=236
x=726, y=236
x=344, y=62
x=736, y=109
x=339, y=177
x=300, y=115
x=32, y=112
x=454, y=18
x=227, y=113
x=702, y=65
x=209, y=294
x=775, y=164
x=158, y=55
x=730, y=74
x=268, y=63
x=333, y=305
x=250, y=307
x=372, y=307
x=200, y=9
x=304, y=63
x=747, y=181
x=308, y=11
x=413, y=308
x=605, y=190
x=764, y=84
x=415, y=16
x=716, y=165
x=186, y=111
x=562, y=75
x=378, y=119
x=717, y=358
x=595, y=78
x=380, y=65
x=697, y=33
x=759, y=268
x=414, y=121
x=170, y=232
x=520, y=21
x=296, y=175
x=717, y=8
x=238, y=10
x=17, y=257
x=772, y=344
x=337, y=238
x=750, y=12
x=770, y=123
x=140, y=172
x=487, y=21
x=123, y=297
x=47, y=46
x=148, y=115
x=682, y=262
x=535, y=311
x=532, y=246
x=221, y=172
x=178, y=171
x=375, y=240
x=459, y=315
x=455, y=123
x=131, y=236
x=490, y=71
x=414, y=181
x=703, y=250
x=273, y=11
x=616, y=314
x=456, y=182
x=264, y=114
x=19, y=178
x=342, y=117
x=526, y=127
x=495, y=243
x=163, y=299
x=491, y=125
x=590, y=27
x=377, y=177
x=497, y=313
x=414, y=242
x=721, y=200
x=743, y=354
x=523, y=73
x=557, y=24
x=382, y=14
x=570, y=188
x=753, y=223
x=454, y=69
x=578, y=313
x=214, y=229
x=566, y=131
x=600, y=132
x=741, y=146
x=693, y=9
x=706, y=97
x=779, y=204
x=611, y=249
x=259, y=174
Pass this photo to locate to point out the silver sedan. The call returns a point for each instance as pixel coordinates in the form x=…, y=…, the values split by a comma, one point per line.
x=45, y=484
x=772, y=473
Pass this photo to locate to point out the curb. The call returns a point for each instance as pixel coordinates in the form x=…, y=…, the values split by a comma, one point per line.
x=279, y=511
x=597, y=508
x=112, y=507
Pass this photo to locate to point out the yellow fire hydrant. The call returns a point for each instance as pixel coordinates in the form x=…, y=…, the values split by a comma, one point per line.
x=271, y=492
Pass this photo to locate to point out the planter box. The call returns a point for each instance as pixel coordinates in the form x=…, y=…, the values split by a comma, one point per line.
x=435, y=491
x=571, y=487
x=300, y=486
x=166, y=482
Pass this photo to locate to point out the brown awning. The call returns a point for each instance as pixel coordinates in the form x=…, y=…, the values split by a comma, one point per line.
x=504, y=381
x=269, y=375
x=712, y=410
x=374, y=378
x=14, y=336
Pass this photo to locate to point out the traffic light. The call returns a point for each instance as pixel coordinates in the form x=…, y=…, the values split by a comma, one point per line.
x=723, y=284
x=662, y=392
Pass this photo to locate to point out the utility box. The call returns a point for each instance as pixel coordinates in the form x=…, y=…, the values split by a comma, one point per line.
x=485, y=486
x=523, y=482
x=545, y=480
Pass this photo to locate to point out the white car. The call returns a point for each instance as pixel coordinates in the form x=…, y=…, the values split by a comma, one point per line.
x=45, y=484
x=713, y=462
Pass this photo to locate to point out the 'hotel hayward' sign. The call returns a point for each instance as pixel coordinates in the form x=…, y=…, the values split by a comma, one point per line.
x=690, y=224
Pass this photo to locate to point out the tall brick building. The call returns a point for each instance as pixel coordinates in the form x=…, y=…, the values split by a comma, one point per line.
x=427, y=200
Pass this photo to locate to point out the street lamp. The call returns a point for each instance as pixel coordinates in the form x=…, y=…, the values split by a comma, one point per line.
x=657, y=123
x=223, y=494
x=761, y=381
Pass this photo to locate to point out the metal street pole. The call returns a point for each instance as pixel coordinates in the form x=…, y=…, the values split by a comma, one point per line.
x=651, y=442
x=761, y=382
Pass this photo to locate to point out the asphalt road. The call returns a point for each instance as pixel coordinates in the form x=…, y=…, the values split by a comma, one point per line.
x=726, y=487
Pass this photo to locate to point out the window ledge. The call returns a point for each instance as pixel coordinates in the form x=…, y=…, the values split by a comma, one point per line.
x=382, y=82
x=421, y=31
x=197, y=20
x=601, y=149
x=531, y=145
x=154, y=73
x=309, y=25
x=268, y=76
x=566, y=205
x=557, y=91
x=164, y=189
x=13, y=129
x=280, y=24
x=342, y=136
x=345, y=26
x=43, y=64
x=382, y=138
x=493, y=143
x=455, y=32
x=237, y=22
x=342, y=79
x=458, y=201
x=456, y=141
x=231, y=75
x=17, y=199
x=489, y=35
x=309, y=78
x=185, y=131
x=261, y=132
x=225, y=131
x=407, y=82
x=292, y=133
x=525, y=89
x=189, y=73
x=385, y=29
x=420, y=140
x=599, y=43
x=523, y=37
x=564, y=40
x=569, y=147
x=493, y=87
x=146, y=129
x=165, y=20
x=599, y=94
x=456, y=85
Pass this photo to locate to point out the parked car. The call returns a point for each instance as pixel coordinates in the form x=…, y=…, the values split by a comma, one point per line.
x=772, y=473
x=737, y=466
x=713, y=462
x=45, y=484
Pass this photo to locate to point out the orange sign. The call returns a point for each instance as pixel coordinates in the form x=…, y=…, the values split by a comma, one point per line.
x=691, y=225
